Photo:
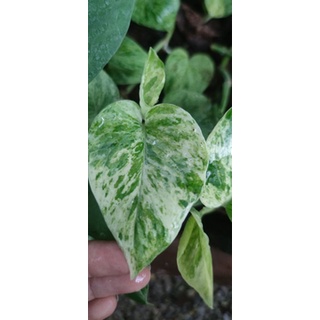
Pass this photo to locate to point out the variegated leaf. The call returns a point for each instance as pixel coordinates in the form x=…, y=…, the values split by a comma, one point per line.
x=145, y=174
x=156, y=14
x=194, y=259
x=218, y=188
x=152, y=81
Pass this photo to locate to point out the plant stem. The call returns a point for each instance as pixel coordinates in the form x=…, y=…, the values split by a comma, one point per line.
x=202, y=212
x=206, y=210
x=129, y=88
x=163, y=43
x=226, y=88
x=224, y=51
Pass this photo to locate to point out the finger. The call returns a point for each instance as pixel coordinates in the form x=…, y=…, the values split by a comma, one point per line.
x=108, y=286
x=100, y=309
x=106, y=258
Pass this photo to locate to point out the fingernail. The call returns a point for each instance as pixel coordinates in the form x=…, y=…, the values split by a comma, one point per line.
x=140, y=277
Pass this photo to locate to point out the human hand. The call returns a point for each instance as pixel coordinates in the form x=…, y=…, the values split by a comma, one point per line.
x=108, y=277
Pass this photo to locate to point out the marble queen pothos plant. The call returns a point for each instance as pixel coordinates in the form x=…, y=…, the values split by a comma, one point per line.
x=149, y=164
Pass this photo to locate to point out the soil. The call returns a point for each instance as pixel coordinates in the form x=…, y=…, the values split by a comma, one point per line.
x=171, y=298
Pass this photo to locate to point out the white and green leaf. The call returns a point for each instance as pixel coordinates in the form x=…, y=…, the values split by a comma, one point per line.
x=145, y=175
x=156, y=14
x=218, y=187
x=152, y=81
x=101, y=92
x=194, y=259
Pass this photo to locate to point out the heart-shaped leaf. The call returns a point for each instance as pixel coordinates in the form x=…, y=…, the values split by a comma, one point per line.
x=218, y=8
x=126, y=66
x=194, y=259
x=218, y=188
x=183, y=73
x=102, y=91
x=156, y=14
x=145, y=175
x=108, y=22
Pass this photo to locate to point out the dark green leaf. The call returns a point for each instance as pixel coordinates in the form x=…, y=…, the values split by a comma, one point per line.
x=156, y=14
x=194, y=259
x=102, y=91
x=108, y=23
x=126, y=66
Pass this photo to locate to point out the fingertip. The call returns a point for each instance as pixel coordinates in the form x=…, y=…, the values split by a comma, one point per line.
x=143, y=277
x=100, y=309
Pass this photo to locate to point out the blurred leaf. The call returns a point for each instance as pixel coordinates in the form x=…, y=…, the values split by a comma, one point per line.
x=108, y=22
x=200, y=73
x=152, y=81
x=218, y=8
x=126, y=66
x=145, y=175
x=101, y=92
x=198, y=105
x=193, y=74
x=228, y=207
x=194, y=259
x=156, y=14
x=176, y=67
x=218, y=188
